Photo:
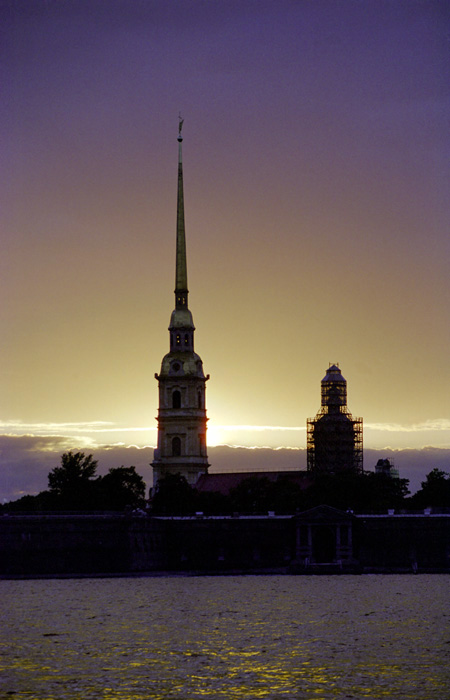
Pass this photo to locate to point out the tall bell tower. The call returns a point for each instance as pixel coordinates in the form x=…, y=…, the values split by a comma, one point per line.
x=182, y=384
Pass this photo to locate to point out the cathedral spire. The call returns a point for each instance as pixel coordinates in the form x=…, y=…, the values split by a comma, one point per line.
x=181, y=287
x=182, y=383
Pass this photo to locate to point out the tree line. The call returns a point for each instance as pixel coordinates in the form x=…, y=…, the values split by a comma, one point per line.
x=360, y=493
x=75, y=486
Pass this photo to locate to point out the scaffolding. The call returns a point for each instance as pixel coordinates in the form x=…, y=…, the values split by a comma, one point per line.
x=334, y=443
x=334, y=438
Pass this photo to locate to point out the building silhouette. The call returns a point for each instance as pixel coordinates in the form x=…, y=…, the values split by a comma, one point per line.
x=385, y=467
x=334, y=436
x=182, y=410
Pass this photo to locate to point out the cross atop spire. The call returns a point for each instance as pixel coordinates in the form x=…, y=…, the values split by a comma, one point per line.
x=181, y=286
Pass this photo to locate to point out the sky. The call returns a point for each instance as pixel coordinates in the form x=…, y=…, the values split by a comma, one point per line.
x=316, y=178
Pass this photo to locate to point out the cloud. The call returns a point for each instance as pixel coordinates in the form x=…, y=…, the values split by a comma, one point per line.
x=413, y=464
x=26, y=460
x=436, y=424
x=434, y=432
x=18, y=427
x=260, y=428
x=93, y=435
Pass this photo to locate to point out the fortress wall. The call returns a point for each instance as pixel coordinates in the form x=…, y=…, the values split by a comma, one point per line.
x=118, y=544
x=404, y=543
x=51, y=544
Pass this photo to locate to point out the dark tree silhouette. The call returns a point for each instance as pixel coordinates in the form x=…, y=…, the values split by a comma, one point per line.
x=173, y=496
x=72, y=483
x=251, y=496
x=362, y=493
x=122, y=487
x=286, y=497
x=435, y=491
x=213, y=503
x=43, y=501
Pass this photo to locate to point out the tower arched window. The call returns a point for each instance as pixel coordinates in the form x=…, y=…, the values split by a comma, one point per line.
x=186, y=339
x=199, y=400
x=176, y=399
x=178, y=339
x=176, y=447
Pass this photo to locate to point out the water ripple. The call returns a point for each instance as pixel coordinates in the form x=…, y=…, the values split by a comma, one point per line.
x=232, y=637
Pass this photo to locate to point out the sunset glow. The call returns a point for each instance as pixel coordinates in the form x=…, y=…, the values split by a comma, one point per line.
x=316, y=177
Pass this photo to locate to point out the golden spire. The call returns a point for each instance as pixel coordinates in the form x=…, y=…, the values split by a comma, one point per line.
x=181, y=288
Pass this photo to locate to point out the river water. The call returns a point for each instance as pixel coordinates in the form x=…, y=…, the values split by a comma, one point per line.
x=277, y=637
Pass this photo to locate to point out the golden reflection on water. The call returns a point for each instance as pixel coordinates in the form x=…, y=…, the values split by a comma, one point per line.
x=226, y=637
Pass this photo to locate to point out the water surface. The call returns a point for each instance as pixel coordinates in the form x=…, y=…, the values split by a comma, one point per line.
x=185, y=638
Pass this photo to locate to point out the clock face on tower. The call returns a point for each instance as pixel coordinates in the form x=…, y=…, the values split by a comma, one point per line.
x=176, y=366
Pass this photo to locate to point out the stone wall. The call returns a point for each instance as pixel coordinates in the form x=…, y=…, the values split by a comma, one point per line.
x=66, y=544
x=404, y=543
x=117, y=544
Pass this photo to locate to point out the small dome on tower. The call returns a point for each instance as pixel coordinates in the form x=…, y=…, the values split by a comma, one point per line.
x=182, y=364
x=181, y=318
x=333, y=374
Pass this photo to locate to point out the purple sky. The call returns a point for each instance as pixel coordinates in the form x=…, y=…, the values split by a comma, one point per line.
x=316, y=155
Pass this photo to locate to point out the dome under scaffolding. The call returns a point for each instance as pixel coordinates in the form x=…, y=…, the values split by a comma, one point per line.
x=334, y=436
